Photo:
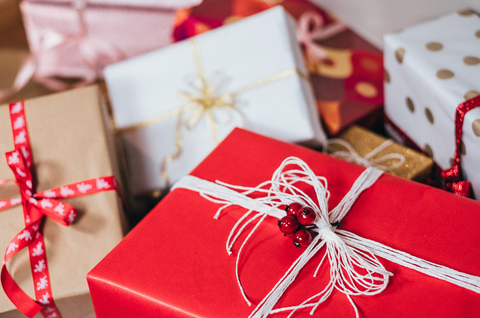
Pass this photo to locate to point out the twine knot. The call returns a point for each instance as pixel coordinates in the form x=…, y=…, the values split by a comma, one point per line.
x=325, y=230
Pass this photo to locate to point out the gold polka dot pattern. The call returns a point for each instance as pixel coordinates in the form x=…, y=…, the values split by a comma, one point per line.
x=463, y=150
x=428, y=151
x=434, y=46
x=386, y=76
x=471, y=60
x=400, y=54
x=445, y=74
x=429, y=115
x=471, y=94
x=410, y=105
x=466, y=13
x=476, y=127
x=366, y=89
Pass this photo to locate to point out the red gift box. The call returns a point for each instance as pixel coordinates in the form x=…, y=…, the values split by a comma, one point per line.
x=174, y=263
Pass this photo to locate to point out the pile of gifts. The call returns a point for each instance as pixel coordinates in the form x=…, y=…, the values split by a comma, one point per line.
x=261, y=124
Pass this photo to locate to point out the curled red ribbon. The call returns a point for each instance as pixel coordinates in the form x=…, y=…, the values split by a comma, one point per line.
x=36, y=205
x=453, y=176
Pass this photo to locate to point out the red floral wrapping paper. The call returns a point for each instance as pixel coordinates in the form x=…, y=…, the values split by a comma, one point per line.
x=348, y=82
x=174, y=263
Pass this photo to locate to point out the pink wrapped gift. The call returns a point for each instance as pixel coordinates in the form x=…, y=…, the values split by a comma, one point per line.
x=78, y=38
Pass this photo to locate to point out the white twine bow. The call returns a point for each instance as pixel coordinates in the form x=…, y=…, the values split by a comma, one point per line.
x=354, y=266
x=351, y=155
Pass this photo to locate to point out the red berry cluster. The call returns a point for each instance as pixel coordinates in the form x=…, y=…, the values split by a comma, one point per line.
x=295, y=224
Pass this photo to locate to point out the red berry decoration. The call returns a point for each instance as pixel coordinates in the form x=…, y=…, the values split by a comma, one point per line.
x=302, y=238
x=293, y=208
x=288, y=224
x=306, y=216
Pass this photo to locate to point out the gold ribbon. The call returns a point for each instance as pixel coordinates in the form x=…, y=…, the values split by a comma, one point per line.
x=202, y=105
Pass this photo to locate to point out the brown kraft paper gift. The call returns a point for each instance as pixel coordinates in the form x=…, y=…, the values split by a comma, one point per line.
x=70, y=142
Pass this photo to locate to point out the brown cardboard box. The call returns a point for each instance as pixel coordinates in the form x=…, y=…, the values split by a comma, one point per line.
x=12, y=33
x=70, y=142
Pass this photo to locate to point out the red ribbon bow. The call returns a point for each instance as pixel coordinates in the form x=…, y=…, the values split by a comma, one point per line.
x=36, y=205
x=453, y=176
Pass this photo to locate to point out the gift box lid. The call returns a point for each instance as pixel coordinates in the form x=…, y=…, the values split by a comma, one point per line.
x=175, y=262
x=165, y=4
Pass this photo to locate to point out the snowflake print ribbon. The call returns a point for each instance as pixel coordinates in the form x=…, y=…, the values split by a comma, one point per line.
x=353, y=260
x=36, y=205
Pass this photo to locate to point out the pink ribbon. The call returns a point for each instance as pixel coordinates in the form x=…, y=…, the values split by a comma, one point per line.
x=95, y=52
x=310, y=28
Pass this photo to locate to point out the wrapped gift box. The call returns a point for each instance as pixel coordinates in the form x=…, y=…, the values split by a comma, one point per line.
x=416, y=166
x=374, y=18
x=211, y=14
x=69, y=143
x=145, y=91
x=114, y=30
x=432, y=68
x=174, y=263
x=348, y=82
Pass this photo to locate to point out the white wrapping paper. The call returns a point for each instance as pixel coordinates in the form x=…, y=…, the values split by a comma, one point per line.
x=432, y=68
x=374, y=18
x=233, y=57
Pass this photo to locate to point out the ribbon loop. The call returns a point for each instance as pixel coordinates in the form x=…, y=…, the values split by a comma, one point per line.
x=60, y=212
x=310, y=28
x=22, y=174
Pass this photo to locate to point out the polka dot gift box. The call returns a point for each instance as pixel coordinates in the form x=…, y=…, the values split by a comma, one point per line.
x=432, y=78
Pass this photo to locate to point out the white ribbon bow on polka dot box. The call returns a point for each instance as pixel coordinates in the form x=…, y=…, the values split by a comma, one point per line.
x=432, y=68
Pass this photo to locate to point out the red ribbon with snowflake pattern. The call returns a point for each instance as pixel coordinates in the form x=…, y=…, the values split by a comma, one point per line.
x=36, y=205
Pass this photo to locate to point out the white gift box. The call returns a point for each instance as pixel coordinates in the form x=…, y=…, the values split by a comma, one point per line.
x=374, y=18
x=231, y=58
x=432, y=68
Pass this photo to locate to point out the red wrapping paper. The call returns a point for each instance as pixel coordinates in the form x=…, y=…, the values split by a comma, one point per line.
x=174, y=263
